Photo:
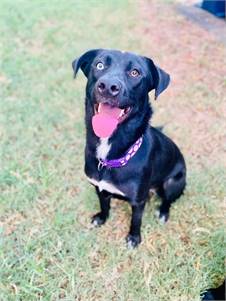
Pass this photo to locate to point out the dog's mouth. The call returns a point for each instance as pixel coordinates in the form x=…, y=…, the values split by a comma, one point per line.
x=107, y=117
x=112, y=111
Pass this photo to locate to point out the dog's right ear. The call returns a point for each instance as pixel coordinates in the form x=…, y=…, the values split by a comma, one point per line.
x=84, y=61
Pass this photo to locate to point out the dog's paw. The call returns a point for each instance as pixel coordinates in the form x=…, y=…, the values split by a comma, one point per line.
x=133, y=241
x=162, y=216
x=97, y=220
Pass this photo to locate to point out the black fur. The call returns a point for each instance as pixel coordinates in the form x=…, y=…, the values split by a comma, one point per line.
x=215, y=293
x=158, y=164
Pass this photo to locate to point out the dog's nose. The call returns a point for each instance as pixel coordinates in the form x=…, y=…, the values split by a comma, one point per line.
x=101, y=87
x=114, y=89
x=109, y=88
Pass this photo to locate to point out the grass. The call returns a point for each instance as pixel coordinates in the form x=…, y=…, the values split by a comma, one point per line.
x=48, y=250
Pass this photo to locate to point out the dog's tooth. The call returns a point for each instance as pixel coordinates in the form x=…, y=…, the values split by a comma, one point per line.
x=121, y=113
x=127, y=110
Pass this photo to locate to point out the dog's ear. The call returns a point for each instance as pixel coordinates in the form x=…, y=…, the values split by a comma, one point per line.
x=84, y=61
x=160, y=79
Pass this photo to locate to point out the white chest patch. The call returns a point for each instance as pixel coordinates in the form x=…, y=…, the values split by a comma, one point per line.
x=103, y=185
x=103, y=148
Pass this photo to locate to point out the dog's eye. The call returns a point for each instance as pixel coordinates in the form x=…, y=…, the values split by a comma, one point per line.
x=134, y=73
x=100, y=66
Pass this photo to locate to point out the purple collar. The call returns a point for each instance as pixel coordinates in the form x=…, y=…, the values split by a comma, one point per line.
x=123, y=160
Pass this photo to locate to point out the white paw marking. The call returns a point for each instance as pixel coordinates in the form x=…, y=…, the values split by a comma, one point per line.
x=95, y=223
x=157, y=213
x=162, y=220
x=130, y=245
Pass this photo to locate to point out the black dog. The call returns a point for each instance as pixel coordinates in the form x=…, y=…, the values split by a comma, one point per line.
x=215, y=293
x=124, y=155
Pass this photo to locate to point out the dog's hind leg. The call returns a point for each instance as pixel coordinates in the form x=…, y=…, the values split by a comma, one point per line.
x=105, y=200
x=169, y=191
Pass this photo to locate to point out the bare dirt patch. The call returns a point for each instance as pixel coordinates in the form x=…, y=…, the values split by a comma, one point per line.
x=10, y=223
x=197, y=64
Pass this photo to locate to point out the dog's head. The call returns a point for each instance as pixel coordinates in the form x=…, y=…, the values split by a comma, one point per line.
x=119, y=82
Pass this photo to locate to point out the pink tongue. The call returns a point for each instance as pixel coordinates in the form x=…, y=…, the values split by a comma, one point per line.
x=105, y=122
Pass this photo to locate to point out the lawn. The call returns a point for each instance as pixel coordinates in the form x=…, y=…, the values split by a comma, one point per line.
x=48, y=249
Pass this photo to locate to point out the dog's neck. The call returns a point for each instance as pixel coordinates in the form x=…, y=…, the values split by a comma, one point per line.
x=126, y=135
x=103, y=148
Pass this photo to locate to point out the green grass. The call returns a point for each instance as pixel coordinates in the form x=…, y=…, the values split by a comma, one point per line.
x=48, y=250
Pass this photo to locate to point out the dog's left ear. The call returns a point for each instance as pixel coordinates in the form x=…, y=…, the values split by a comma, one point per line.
x=84, y=61
x=160, y=79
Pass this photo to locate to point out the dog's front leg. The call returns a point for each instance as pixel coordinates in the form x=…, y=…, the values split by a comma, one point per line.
x=134, y=236
x=105, y=199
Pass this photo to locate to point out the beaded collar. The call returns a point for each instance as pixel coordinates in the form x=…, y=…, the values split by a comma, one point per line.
x=116, y=163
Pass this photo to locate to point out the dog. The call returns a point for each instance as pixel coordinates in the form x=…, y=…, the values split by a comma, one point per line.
x=215, y=293
x=125, y=157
